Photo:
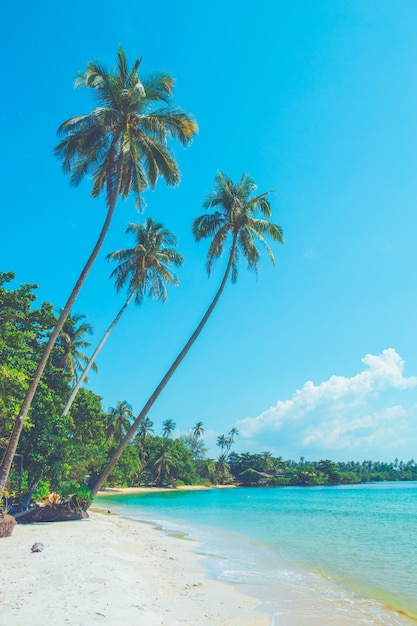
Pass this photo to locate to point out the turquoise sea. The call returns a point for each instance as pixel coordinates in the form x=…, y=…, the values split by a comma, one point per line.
x=312, y=555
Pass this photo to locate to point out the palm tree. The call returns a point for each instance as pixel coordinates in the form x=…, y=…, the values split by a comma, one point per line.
x=236, y=216
x=140, y=439
x=223, y=474
x=71, y=340
x=163, y=463
x=208, y=468
x=123, y=145
x=119, y=420
x=267, y=461
x=145, y=268
x=198, y=430
x=145, y=428
x=225, y=443
x=222, y=442
x=168, y=428
x=233, y=432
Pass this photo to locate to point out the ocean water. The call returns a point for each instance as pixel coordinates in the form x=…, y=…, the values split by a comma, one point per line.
x=333, y=556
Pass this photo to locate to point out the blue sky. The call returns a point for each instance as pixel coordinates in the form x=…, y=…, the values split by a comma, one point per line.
x=317, y=357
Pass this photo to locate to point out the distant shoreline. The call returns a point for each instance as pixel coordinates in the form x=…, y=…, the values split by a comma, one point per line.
x=108, y=491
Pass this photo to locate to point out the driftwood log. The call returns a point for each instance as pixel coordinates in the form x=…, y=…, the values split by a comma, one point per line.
x=56, y=513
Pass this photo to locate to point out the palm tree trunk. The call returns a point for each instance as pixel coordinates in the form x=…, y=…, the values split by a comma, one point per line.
x=20, y=419
x=97, y=482
x=95, y=353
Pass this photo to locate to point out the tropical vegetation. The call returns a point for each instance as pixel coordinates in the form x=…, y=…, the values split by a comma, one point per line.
x=60, y=453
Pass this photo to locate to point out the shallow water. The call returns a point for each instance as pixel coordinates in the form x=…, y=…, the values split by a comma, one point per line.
x=316, y=555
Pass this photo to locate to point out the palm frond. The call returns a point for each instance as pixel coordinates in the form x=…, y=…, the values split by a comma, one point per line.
x=158, y=86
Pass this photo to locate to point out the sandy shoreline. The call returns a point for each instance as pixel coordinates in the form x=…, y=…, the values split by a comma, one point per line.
x=320, y=603
x=111, y=570
x=118, y=490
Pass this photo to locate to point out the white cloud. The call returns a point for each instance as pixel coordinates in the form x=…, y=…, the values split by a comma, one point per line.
x=341, y=413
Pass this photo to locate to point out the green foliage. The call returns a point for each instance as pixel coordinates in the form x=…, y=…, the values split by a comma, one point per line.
x=55, y=447
x=70, y=343
x=77, y=495
x=195, y=445
x=24, y=329
x=165, y=461
x=22, y=332
x=88, y=447
x=125, y=472
x=41, y=491
x=118, y=421
x=13, y=384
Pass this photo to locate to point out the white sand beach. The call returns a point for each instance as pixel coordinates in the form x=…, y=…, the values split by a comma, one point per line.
x=110, y=570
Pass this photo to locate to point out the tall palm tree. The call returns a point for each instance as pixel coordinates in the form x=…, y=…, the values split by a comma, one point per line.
x=123, y=145
x=198, y=430
x=146, y=269
x=72, y=341
x=119, y=420
x=168, y=428
x=235, y=217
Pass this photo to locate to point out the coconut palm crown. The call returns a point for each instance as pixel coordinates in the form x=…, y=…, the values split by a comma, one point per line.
x=145, y=268
x=236, y=216
x=123, y=142
x=72, y=341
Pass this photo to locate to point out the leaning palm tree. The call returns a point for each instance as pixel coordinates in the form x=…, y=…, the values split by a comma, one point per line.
x=123, y=145
x=236, y=217
x=145, y=269
x=72, y=341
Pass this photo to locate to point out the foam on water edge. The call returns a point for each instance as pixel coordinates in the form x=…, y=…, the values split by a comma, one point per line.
x=293, y=596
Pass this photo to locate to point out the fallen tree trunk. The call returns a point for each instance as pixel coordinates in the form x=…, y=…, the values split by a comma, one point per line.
x=57, y=513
